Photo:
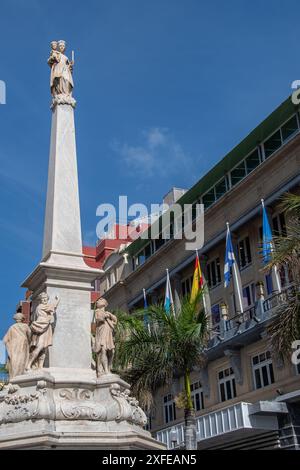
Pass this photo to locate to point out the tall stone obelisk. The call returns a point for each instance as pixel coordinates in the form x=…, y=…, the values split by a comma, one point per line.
x=61, y=403
x=62, y=271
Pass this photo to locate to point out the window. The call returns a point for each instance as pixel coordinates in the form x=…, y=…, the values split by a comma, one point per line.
x=197, y=396
x=262, y=370
x=238, y=173
x=215, y=314
x=148, y=252
x=269, y=284
x=149, y=424
x=221, y=188
x=209, y=198
x=289, y=128
x=186, y=285
x=252, y=161
x=213, y=273
x=112, y=278
x=272, y=144
x=279, y=226
x=169, y=408
x=159, y=242
x=285, y=275
x=248, y=295
x=244, y=252
x=139, y=259
x=227, y=389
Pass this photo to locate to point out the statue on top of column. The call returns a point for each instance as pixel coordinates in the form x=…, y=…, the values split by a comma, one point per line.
x=61, y=79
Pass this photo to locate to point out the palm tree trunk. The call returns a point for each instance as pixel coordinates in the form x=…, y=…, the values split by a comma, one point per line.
x=190, y=435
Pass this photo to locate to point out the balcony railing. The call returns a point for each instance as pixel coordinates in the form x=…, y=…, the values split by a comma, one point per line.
x=261, y=311
x=279, y=298
x=220, y=423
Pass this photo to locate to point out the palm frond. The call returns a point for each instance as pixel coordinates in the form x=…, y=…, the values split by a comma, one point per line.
x=285, y=327
x=150, y=357
x=290, y=203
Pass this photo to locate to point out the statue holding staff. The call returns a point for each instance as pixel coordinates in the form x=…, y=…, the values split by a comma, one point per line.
x=61, y=80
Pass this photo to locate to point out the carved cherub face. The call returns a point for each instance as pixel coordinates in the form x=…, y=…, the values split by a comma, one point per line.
x=61, y=46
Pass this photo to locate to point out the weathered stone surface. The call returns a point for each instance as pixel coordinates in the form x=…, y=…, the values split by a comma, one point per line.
x=98, y=412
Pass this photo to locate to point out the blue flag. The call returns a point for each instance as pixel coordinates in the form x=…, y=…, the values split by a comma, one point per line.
x=229, y=259
x=267, y=237
x=145, y=299
x=268, y=248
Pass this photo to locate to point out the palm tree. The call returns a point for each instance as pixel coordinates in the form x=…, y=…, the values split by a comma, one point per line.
x=285, y=328
x=155, y=347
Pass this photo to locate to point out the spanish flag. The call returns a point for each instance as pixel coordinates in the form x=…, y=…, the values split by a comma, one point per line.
x=197, y=279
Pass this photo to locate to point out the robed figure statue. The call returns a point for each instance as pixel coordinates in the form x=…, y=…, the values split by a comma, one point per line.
x=61, y=80
x=42, y=332
x=17, y=341
x=104, y=345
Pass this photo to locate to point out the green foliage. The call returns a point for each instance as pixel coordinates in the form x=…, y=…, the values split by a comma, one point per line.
x=285, y=328
x=172, y=345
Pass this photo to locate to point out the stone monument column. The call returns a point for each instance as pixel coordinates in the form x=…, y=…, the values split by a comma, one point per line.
x=62, y=271
x=58, y=400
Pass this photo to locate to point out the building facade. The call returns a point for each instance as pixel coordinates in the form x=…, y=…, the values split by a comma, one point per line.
x=245, y=397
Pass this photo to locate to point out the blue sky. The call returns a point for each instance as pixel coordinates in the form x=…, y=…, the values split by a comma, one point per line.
x=164, y=89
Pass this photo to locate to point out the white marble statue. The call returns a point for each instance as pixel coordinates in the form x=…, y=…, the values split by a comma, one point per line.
x=61, y=80
x=42, y=332
x=17, y=340
x=104, y=345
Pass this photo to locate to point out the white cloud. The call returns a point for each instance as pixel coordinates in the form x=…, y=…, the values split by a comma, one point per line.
x=158, y=154
x=156, y=137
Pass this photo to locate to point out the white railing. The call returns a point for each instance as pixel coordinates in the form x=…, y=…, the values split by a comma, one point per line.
x=209, y=425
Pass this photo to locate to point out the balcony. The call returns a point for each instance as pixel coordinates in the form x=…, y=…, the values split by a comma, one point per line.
x=236, y=422
x=246, y=327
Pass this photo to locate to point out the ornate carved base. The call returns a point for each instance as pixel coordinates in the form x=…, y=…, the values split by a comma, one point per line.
x=49, y=408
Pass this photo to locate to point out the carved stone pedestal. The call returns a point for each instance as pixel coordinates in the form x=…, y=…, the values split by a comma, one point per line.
x=50, y=408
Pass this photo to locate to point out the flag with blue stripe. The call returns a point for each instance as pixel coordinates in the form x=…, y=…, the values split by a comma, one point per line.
x=267, y=237
x=169, y=305
x=268, y=248
x=145, y=299
x=229, y=259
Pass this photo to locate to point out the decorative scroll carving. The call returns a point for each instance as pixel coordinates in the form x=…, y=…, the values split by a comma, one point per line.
x=79, y=404
x=129, y=409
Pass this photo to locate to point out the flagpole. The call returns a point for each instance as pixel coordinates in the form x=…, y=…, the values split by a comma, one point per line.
x=203, y=290
x=168, y=288
x=236, y=279
x=146, y=321
x=274, y=271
